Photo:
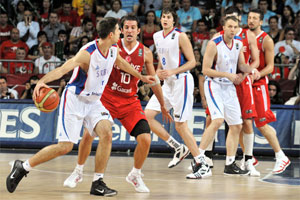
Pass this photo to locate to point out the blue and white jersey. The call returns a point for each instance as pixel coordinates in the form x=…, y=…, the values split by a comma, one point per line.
x=227, y=58
x=167, y=47
x=91, y=85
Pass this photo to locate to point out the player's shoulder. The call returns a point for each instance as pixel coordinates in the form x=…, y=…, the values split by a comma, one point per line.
x=217, y=40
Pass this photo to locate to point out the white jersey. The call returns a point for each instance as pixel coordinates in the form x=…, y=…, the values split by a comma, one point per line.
x=91, y=85
x=227, y=58
x=167, y=47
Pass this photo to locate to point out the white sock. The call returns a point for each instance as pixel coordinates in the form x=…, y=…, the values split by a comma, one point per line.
x=173, y=143
x=202, y=152
x=79, y=168
x=248, y=140
x=97, y=176
x=230, y=160
x=279, y=154
x=27, y=166
x=199, y=158
x=135, y=171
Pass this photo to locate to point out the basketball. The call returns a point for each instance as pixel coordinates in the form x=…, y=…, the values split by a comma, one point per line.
x=48, y=100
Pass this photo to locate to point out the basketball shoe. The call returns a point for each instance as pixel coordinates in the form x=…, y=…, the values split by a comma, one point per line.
x=137, y=182
x=74, y=178
x=243, y=163
x=281, y=165
x=250, y=167
x=99, y=188
x=208, y=160
x=200, y=170
x=180, y=153
x=15, y=176
x=233, y=169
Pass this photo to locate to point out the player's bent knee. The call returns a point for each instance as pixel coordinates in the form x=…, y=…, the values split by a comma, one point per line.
x=141, y=127
x=144, y=139
x=64, y=147
x=150, y=114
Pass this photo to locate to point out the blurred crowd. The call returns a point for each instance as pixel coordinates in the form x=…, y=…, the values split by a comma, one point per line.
x=38, y=35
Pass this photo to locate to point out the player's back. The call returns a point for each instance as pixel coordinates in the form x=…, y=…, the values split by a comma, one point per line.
x=91, y=84
x=121, y=83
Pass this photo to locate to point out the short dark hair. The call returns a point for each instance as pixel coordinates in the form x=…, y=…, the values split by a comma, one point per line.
x=62, y=32
x=168, y=10
x=86, y=20
x=273, y=17
x=34, y=77
x=129, y=18
x=106, y=26
x=40, y=33
x=288, y=29
x=232, y=9
x=3, y=77
x=258, y=11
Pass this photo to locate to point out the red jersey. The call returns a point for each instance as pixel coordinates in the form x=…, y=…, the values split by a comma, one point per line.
x=5, y=33
x=121, y=83
x=262, y=63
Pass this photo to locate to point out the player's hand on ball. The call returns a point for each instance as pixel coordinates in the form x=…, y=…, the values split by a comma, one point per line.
x=36, y=91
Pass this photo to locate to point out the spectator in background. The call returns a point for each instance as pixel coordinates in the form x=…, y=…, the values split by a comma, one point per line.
x=225, y=4
x=87, y=13
x=21, y=67
x=29, y=87
x=67, y=16
x=19, y=11
x=8, y=48
x=62, y=45
x=274, y=32
x=296, y=26
x=152, y=5
x=41, y=63
x=287, y=18
x=86, y=29
x=212, y=19
x=83, y=41
x=148, y=29
x=212, y=32
x=263, y=6
x=5, y=92
x=295, y=75
x=188, y=16
x=102, y=6
x=36, y=50
x=79, y=4
x=165, y=4
x=44, y=13
x=53, y=27
x=196, y=72
x=289, y=47
x=62, y=85
x=275, y=92
x=130, y=6
x=244, y=20
x=5, y=28
x=28, y=29
x=116, y=10
x=295, y=5
x=201, y=33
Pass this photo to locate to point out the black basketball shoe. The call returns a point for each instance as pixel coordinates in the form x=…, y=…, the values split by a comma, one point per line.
x=99, y=188
x=233, y=169
x=15, y=176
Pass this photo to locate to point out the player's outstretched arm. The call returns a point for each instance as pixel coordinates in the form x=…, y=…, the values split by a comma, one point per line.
x=82, y=59
x=125, y=66
x=156, y=88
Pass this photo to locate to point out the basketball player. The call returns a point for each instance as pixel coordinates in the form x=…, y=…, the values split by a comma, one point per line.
x=260, y=89
x=224, y=54
x=120, y=99
x=245, y=93
x=176, y=58
x=80, y=104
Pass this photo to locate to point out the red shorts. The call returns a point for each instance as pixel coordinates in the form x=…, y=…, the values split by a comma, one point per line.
x=127, y=110
x=245, y=96
x=262, y=104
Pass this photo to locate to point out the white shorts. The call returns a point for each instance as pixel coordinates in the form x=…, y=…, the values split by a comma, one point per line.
x=75, y=111
x=223, y=102
x=178, y=94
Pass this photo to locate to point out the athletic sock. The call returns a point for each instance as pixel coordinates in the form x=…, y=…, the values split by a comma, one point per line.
x=248, y=140
x=279, y=154
x=173, y=143
x=27, y=166
x=135, y=171
x=230, y=160
x=79, y=168
x=97, y=176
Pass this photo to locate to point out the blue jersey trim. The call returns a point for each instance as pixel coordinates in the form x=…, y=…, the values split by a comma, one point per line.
x=79, y=81
x=91, y=48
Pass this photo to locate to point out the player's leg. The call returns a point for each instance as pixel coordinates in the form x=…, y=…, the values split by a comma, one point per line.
x=84, y=151
x=141, y=132
x=153, y=109
x=69, y=127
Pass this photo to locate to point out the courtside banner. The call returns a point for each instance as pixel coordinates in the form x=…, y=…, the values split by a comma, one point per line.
x=23, y=125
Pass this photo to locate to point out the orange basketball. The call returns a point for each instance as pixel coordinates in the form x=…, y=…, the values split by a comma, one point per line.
x=48, y=100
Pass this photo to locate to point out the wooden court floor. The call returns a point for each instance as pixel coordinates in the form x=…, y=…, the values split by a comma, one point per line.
x=46, y=181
